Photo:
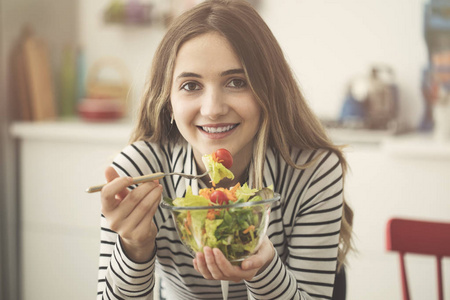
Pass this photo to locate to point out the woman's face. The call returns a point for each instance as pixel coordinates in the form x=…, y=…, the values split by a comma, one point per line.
x=213, y=105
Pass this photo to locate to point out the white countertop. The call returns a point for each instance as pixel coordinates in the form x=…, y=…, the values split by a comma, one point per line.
x=415, y=145
x=412, y=145
x=74, y=130
x=358, y=136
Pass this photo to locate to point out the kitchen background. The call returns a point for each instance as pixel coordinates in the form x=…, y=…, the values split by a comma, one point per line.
x=77, y=112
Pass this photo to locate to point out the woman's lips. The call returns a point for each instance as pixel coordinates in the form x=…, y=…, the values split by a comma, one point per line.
x=219, y=131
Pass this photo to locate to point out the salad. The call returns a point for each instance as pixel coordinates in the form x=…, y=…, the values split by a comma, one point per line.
x=233, y=219
x=235, y=230
x=218, y=164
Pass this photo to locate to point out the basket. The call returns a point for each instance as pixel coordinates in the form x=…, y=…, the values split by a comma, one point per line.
x=97, y=87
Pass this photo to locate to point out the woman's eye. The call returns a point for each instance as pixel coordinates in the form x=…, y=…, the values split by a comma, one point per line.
x=237, y=83
x=190, y=86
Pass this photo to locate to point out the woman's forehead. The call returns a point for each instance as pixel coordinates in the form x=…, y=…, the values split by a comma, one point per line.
x=207, y=53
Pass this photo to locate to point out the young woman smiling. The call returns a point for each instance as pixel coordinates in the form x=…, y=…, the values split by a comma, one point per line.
x=220, y=80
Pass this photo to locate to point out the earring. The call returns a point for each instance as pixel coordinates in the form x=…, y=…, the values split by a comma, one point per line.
x=171, y=119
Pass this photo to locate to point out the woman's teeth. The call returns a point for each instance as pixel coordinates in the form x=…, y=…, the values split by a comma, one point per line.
x=218, y=129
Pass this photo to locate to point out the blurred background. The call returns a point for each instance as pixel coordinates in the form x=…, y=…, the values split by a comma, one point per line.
x=376, y=72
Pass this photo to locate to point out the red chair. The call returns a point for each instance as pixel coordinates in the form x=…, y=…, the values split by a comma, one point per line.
x=420, y=237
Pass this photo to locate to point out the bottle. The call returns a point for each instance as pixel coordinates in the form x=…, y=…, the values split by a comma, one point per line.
x=68, y=82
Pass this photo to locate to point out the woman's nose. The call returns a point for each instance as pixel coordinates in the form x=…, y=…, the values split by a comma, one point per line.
x=214, y=104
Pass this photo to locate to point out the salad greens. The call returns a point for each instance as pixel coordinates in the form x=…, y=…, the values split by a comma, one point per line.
x=235, y=230
x=217, y=171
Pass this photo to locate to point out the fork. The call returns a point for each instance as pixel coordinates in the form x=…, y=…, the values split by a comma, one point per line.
x=149, y=177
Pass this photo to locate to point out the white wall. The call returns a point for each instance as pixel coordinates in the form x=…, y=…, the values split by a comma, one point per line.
x=327, y=42
x=133, y=45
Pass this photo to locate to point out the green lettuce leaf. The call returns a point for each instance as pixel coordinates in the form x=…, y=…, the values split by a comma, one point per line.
x=216, y=170
x=245, y=192
x=198, y=218
x=191, y=200
x=210, y=228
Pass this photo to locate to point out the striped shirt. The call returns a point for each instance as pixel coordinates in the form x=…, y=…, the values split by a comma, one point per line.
x=304, y=229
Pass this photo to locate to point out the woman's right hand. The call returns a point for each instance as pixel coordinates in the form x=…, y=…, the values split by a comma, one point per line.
x=130, y=213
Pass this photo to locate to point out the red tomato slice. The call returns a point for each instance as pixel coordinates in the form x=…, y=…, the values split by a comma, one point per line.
x=219, y=197
x=224, y=157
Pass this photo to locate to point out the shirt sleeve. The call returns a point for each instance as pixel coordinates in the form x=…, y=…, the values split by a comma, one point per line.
x=119, y=277
x=309, y=269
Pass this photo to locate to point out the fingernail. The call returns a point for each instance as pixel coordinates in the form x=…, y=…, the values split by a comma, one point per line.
x=248, y=265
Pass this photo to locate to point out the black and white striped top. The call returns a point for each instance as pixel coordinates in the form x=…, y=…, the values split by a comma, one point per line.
x=304, y=229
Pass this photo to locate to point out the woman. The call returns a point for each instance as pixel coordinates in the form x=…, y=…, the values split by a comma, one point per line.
x=219, y=80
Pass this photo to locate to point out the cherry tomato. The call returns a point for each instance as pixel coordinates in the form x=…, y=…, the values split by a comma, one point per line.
x=219, y=197
x=224, y=157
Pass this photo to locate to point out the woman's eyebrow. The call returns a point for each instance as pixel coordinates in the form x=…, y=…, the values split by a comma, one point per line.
x=224, y=73
x=232, y=71
x=188, y=74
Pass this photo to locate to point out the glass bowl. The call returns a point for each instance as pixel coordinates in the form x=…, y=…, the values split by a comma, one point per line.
x=236, y=229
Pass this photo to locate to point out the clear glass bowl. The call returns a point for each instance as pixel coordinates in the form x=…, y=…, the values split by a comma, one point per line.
x=236, y=229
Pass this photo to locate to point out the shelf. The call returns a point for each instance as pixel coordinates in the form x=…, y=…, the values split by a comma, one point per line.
x=74, y=131
x=406, y=146
x=357, y=136
x=417, y=146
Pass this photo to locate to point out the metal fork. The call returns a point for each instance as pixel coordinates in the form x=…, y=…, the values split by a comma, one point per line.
x=149, y=177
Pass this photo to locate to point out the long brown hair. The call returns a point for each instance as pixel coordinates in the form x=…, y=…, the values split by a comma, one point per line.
x=270, y=78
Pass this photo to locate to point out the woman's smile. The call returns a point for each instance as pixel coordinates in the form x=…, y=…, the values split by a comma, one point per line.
x=218, y=131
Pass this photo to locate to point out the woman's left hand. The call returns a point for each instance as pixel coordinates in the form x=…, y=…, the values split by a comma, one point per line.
x=212, y=264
